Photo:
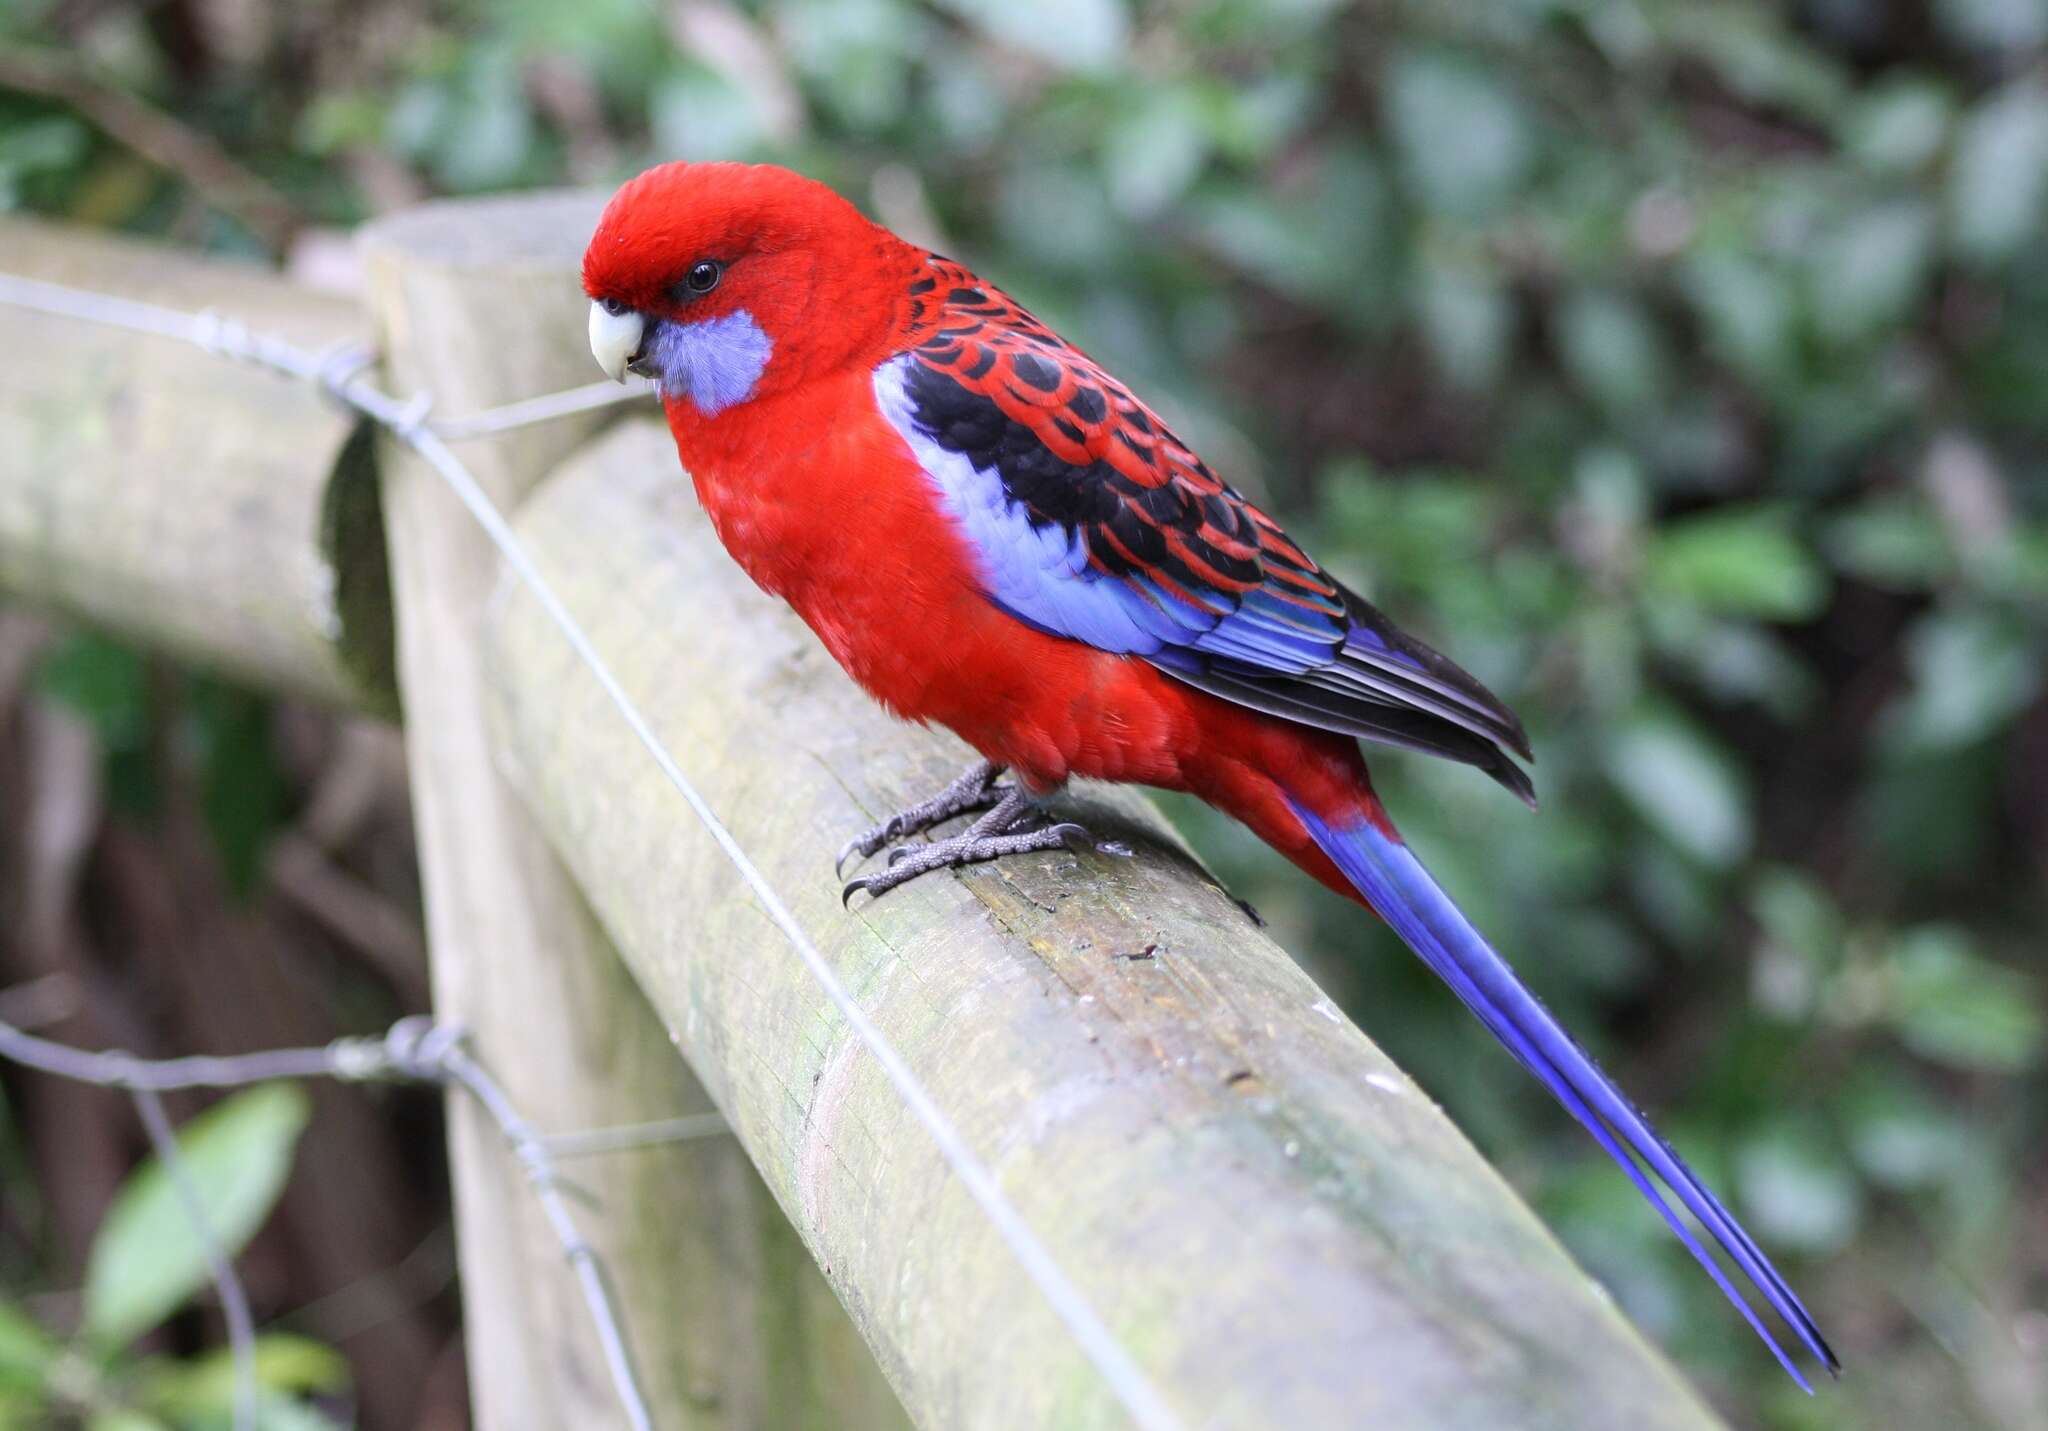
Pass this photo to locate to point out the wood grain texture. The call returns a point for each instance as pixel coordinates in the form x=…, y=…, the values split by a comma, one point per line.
x=183, y=500
x=1281, y=1227
x=477, y=303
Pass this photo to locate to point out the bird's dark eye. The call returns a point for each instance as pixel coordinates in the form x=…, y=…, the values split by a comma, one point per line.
x=614, y=307
x=702, y=277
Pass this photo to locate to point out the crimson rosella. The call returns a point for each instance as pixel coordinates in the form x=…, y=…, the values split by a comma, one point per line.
x=990, y=532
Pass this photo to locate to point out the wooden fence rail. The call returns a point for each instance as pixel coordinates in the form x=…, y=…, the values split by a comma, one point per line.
x=189, y=503
x=1272, y=1220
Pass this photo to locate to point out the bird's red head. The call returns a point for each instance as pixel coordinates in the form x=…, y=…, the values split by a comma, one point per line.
x=728, y=282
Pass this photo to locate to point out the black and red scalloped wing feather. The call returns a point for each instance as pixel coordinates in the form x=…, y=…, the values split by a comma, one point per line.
x=1094, y=521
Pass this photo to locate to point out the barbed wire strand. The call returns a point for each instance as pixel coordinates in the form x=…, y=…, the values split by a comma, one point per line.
x=167, y=1075
x=415, y=1050
x=339, y=371
x=546, y=408
x=628, y=1136
x=220, y=1267
x=461, y=1067
x=205, y=329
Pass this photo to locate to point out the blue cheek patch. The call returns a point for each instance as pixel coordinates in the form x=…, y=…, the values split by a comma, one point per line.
x=715, y=363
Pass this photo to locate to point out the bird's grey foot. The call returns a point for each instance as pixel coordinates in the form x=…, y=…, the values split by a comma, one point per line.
x=1013, y=827
x=976, y=789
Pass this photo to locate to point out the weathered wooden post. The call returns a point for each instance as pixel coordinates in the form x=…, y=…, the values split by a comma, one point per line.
x=478, y=304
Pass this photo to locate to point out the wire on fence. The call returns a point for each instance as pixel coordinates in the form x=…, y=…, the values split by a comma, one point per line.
x=545, y=408
x=415, y=1050
x=339, y=372
x=220, y=1266
x=636, y=1135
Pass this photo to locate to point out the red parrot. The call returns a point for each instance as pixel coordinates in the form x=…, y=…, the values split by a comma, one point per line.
x=990, y=532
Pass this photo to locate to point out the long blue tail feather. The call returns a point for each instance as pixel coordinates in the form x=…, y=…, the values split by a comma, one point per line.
x=1403, y=893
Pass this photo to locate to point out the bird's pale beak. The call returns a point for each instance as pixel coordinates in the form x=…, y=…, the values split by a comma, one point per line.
x=615, y=339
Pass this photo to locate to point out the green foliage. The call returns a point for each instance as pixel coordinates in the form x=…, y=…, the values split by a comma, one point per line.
x=26, y=1354
x=107, y=684
x=222, y=735
x=1676, y=367
x=1737, y=561
x=241, y=791
x=201, y=1392
x=147, y=1259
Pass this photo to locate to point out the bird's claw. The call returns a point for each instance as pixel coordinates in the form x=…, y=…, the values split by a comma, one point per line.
x=846, y=852
x=868, y=841
x=974, y=790
x=995, y=835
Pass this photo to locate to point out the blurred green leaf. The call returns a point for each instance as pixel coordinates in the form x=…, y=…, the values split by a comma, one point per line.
x=1928, y=817
x=967, y=113
x=700, y=114
x=108, y=684
x=1152, y=154
x=1743, y=561
x=202, y=1390
x=147, y=1259
x=339, y=120
x=1611, y=490
x=1752, y=49
x=1680, y=897
x=1998, y=184
x=1321, y=243
x=1683, y=785
x=1462, y=132
x=1994, y=24
x=1867, y=271
x=122, y=1419
x=1607, y=648
x=1734, y=661
x=1892, y=541
x=1252, y=119
x=103, y=681
x=474, y=128
x=1955, y=1007
x=1797, y=913
x=1750, y=314
x=1406, y=530
x=1802, y=941
x=858, y=54
x=38, y=146
x=1797, y=1192
x=1898, y=1136
x=1086, y=235
x=1073, y=34
x=1467, y=318
x=1971, y=673
x=26, y=1350
x=1610, y=346
x=242, y=793
x=1898, y=127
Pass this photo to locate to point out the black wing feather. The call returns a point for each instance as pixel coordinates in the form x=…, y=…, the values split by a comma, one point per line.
x=1076, y=452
